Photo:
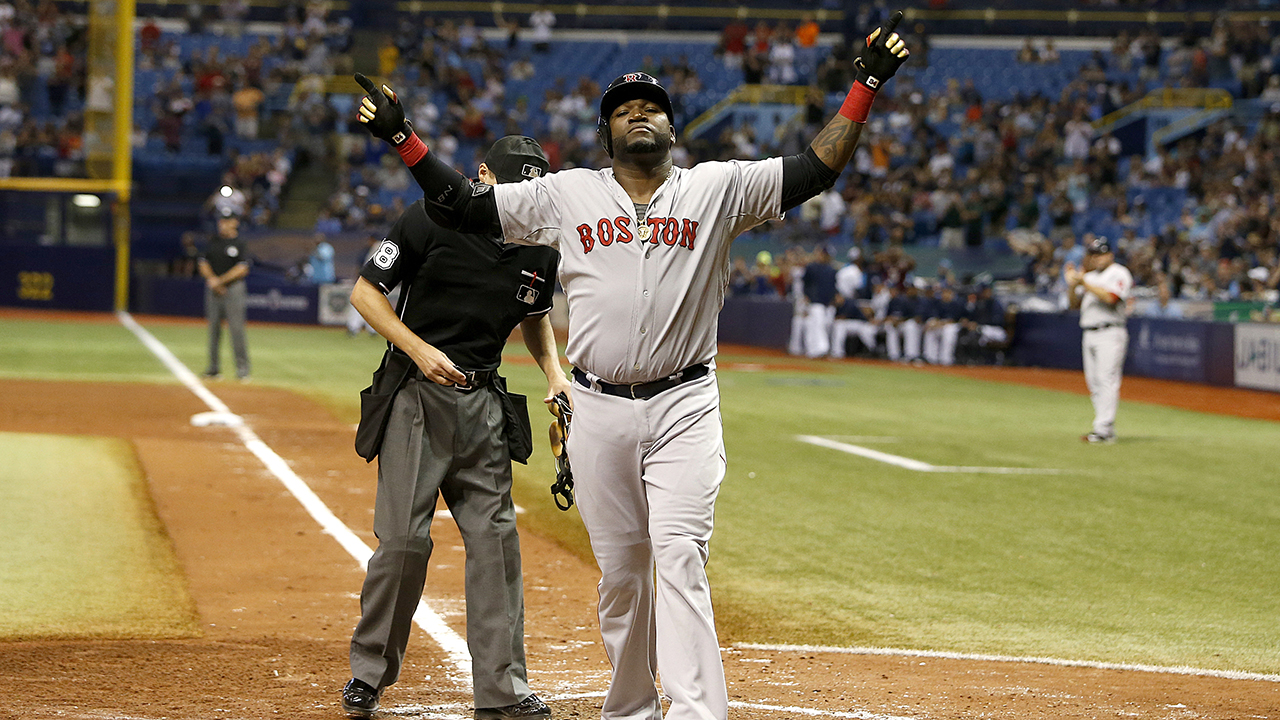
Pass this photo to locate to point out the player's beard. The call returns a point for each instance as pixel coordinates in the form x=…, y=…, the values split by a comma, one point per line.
x=658, y=145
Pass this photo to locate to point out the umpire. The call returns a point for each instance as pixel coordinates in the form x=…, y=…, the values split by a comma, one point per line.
x=448, y=433
x=224, y=266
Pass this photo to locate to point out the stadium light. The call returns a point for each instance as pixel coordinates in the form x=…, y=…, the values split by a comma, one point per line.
x=225, y=191
x=86, y=201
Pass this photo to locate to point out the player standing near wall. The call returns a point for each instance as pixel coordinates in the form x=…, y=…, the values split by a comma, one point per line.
x=645, y=249
x=1100, y=292
x=224, y=266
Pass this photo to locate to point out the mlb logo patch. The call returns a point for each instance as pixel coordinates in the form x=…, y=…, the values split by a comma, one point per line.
x=531, y=171
x=527, y=294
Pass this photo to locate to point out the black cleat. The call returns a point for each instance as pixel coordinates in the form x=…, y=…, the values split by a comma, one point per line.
x=530, y=707
x=360, y=699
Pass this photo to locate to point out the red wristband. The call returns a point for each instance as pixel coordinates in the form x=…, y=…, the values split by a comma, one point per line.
x=857, y=104
x=412, y=150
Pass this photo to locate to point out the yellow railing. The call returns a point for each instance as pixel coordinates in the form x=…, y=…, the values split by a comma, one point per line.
x=751, y=95
x=1202, y=98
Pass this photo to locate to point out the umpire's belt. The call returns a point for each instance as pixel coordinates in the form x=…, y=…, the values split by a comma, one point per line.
x=475, y=378
x=1103, y=326
x=644, y=390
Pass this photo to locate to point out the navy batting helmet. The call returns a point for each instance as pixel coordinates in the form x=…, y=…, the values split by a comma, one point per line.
x=631, y=86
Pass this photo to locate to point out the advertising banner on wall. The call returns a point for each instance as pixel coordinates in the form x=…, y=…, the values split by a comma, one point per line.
x=1257, y=356
x=1171, y=349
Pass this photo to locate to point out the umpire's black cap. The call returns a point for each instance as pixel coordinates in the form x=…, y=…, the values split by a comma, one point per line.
x=515, y=158
x=630, y=86
x=1099, y=246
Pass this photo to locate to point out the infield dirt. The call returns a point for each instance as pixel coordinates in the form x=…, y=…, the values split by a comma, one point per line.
x=277, y=600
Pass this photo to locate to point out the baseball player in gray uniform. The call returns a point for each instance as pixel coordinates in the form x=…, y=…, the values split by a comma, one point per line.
x=645, y=264
x=1100, y=291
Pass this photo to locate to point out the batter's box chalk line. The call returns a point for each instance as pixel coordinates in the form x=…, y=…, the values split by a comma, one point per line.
x=1133, y=667
x=454, y=647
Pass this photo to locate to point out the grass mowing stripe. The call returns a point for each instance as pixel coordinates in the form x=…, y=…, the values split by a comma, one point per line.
x=85, y=554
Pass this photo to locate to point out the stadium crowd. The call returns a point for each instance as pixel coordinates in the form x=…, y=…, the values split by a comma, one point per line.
x=947, y=166
x=42, y=83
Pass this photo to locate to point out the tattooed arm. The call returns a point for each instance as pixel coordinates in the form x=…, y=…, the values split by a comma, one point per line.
x=835, y=144
x=808, y=175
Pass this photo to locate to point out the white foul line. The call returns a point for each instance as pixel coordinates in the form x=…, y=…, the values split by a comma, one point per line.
x=426, y=618
x=917, y=465
x=1176, y=670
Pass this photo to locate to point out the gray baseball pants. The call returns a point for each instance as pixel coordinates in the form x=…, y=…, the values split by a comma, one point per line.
x=444, y=442
x=646, y=476
x=229, y=306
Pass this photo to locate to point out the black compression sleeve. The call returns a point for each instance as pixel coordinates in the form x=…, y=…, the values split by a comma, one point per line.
x=803, y=177
x=454, y=202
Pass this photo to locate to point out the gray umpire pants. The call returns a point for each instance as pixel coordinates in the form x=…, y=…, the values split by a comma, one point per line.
x=443, y=441
x=229, y=306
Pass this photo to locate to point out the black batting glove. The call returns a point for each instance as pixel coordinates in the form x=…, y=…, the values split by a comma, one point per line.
x=884, y=54
x=381, y=113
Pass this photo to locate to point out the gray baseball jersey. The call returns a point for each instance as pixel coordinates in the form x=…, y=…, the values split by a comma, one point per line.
x=1104, y=343
x=643, y=298
x=643, y=303
x=1114, y=278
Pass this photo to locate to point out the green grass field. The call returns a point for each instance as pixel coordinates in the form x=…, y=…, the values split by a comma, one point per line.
x=84, y=554
x=1163, y=548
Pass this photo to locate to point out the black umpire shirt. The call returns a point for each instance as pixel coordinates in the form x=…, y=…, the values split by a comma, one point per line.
x=461, y=293
x=224, y=254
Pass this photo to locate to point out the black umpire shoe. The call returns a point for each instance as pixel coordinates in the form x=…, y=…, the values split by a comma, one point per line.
x=360, y=699
x=530, y=707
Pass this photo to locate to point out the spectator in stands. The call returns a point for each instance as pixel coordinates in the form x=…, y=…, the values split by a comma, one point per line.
x=733, y=43
x=1050, y=55
x=320, y=263
x=541, y=21
x=1163, y=307
x=919, y=39
x=149, y=36
x=782, y=58
x=228, y=200
x=247, y=101
x=740, y=280
x=808, y=30
x=234, y=13
x=185, y=263
x=1028, y=54
x=768, y=278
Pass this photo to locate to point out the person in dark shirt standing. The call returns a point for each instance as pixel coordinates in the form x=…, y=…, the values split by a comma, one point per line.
x=462, y=295
x=942, y=330
x=224, y=266
x=902, y=322
x=819, y=282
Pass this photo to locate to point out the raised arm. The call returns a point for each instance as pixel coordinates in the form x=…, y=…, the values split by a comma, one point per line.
x=449, y=197
x=809, y=174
